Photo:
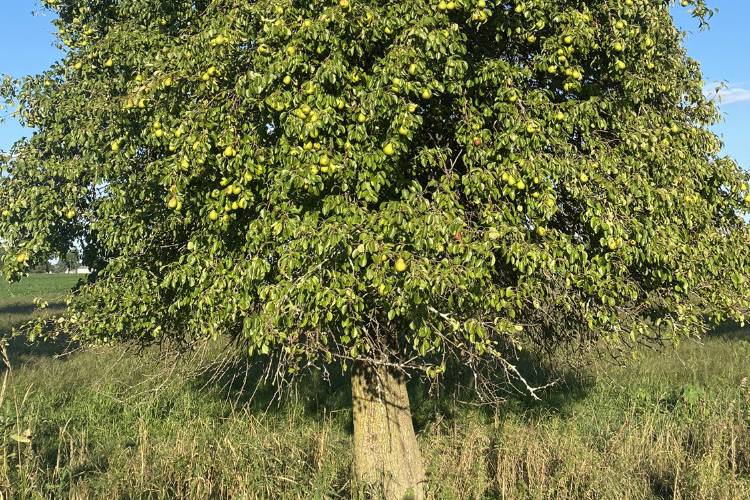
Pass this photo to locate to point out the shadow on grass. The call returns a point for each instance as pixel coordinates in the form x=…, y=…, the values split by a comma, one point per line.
x=322, y=394
x=20, y=350
x=731, y=331
x=23, y=311
x=509, y=397
x=243, y=381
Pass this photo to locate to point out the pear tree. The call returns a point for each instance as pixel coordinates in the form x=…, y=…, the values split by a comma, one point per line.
x=400, y=189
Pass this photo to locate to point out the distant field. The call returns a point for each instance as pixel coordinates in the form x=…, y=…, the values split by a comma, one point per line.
x=109, y=423
x=17, y=299
x=17, y=305
x=37, y=285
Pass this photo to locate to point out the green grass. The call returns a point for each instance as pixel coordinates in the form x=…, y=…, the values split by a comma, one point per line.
x=17, y=299
x=37, y=285
x=18, y=305
x=112, y=423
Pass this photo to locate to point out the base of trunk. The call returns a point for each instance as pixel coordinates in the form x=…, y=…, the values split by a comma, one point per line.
x=386, y=452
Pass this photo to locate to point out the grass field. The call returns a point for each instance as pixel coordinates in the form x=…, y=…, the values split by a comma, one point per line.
x=17, y=299
x=107, y=422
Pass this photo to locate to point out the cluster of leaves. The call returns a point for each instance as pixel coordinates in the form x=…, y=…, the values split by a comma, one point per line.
x=412, y=182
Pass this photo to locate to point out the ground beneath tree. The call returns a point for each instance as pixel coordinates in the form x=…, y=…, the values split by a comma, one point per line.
x=111, y=423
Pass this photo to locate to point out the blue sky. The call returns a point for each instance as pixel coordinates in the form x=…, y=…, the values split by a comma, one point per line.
x=27, y=47
x=723, y=54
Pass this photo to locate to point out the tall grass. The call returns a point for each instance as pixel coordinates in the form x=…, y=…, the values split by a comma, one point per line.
x=114, y=423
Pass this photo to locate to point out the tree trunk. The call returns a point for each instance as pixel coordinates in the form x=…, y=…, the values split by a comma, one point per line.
x=386, y=452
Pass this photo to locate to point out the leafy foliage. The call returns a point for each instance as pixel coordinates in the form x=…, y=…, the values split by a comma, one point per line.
x=410, y=182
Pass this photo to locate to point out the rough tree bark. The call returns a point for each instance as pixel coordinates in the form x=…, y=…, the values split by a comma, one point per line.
x=386, y=452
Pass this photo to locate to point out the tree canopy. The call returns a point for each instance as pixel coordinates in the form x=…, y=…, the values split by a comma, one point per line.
x=414, y=183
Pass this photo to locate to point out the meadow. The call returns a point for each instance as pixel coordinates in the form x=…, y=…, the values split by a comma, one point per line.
x=118, y=423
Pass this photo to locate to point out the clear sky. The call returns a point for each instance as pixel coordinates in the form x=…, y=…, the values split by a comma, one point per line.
x=724, y=54
x=26, y=46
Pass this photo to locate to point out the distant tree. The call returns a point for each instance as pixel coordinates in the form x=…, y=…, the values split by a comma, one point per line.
x=402, y=188
x=42, y=266
x=70, y=261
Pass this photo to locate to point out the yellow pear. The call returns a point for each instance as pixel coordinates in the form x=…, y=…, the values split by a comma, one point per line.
x=400, y=265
